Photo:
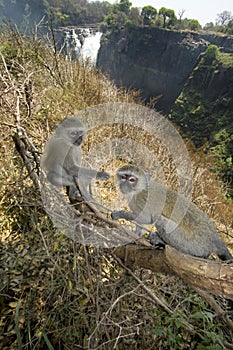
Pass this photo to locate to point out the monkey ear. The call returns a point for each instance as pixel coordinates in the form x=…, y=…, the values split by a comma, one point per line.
x=55, y=127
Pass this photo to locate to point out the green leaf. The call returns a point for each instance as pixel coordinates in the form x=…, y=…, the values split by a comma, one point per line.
x=46, y=339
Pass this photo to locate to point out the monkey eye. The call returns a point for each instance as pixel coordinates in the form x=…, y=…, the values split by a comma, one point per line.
x=123, y=177
x=73, y=133
x=132, y=179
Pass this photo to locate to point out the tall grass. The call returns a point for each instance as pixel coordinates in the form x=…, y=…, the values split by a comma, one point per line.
x=55, y=293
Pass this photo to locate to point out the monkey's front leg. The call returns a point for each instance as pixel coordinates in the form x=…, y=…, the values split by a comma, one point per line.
x=82, y=178
x=59, y=176
x=128, y=215
x=87, y=173
x=123, y=214
x=102, y=175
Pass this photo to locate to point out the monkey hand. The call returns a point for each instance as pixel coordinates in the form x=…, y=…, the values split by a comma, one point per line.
x=102, y=175
x=122, y=214
x=117, y=214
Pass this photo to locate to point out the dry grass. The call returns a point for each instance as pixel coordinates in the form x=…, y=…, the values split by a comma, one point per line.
x=55, y=293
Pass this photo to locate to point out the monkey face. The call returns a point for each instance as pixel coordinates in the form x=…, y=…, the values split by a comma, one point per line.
x=131, y=179
x=127, y=182
x=75, y=136
x=72, y=130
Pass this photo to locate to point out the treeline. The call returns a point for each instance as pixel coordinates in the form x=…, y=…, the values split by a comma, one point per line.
x=26, y=14
x=123, y=15
x=113, y=17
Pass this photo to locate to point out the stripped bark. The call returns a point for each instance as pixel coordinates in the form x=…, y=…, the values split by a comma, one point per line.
x=213, y=276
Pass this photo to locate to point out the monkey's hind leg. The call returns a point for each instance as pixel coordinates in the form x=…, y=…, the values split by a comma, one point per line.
x=222, y=252
x=73, y=194
x=76, y=199
x=156, y=241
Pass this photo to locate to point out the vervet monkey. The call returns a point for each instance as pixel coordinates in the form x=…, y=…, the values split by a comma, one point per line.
x=62, y=157
x=179, y=222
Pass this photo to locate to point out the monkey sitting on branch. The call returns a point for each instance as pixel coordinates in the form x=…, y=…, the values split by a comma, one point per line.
x=179, y=222
x=62, y=157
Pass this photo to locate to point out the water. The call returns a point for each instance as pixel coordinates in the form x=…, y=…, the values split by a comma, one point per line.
x=83, y=43
x=91, y=47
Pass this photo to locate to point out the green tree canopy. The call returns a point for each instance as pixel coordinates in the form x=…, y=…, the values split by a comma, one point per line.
x=229, y=29
x=148, y=13
x=124, y=6
x=193, y=24
x=167, y=14
x=25, y=14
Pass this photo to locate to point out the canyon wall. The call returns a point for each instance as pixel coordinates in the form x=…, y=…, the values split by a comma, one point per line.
x=155, y=61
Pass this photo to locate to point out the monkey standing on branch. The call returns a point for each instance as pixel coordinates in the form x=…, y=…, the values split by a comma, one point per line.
x=62, y=157
x=179, y=222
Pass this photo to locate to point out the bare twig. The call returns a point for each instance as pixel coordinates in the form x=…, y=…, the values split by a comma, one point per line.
x=107, y=313
x=140, y=282
x=216, y=307
x=28, y=159
x=93, y=206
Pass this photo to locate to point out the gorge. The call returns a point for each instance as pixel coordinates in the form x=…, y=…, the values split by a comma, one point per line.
x=188, y=76
x=185, y=75
x=158, y=62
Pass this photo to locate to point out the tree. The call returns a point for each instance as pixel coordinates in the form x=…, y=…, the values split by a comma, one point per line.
x=224, y=18
x=114, y=22
x=229, y=29
x=167, y=14
x=135, y=16
x=209, y=26
x=148, y=13
x=180, y=14
x=193, y=24
x=26, y=13
x=171, y=21
x=124, y=6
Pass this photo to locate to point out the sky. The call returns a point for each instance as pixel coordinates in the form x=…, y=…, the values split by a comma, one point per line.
x=204, y=11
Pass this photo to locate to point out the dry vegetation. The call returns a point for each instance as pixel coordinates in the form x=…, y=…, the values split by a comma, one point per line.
x=55, y=293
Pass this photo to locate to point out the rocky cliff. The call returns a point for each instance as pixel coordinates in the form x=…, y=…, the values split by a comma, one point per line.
x=155, y=61
x=204, y=110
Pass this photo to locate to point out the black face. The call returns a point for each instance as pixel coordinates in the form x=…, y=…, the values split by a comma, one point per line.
x=127, y=182
x=76, y=137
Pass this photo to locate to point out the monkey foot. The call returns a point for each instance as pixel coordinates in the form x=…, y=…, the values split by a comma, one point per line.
x=157, y=242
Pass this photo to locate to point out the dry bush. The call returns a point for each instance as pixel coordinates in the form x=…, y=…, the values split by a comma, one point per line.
x=209, y=193
x=55, y=293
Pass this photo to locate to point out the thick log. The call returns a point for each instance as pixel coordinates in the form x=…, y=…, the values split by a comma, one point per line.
x=136, y=256
x=213, y=276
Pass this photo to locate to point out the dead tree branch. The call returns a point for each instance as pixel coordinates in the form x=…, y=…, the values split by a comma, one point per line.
x=213, y=276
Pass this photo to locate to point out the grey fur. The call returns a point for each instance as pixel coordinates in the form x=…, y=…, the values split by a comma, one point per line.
x=179, y=222
x=62, y=157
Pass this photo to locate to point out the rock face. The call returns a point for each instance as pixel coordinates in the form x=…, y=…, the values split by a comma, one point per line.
x=205, y=106
x=155, y=61
x=204, y=111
